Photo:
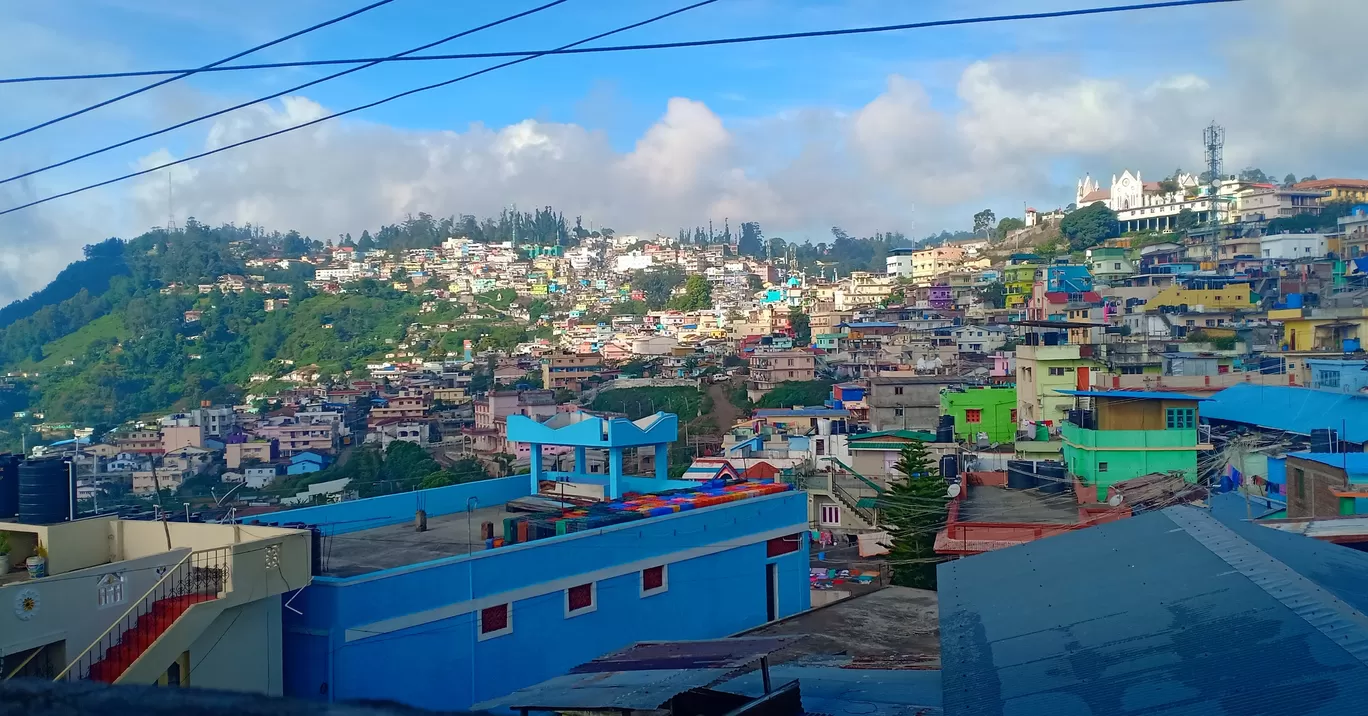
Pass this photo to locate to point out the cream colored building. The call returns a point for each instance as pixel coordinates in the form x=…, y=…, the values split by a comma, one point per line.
x=215, y=588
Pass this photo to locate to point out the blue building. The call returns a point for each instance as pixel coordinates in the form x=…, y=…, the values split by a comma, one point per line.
x=583, y=432
x=1291, y=409
x=306, y=462
x=490, y=598
x=1338, y=376
x=1163, y=613
x=1068, y=278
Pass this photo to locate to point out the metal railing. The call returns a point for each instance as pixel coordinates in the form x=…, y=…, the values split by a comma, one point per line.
x=853, y=502
x=198, y=577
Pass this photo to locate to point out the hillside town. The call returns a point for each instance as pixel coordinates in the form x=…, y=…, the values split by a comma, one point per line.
x=1154, y=354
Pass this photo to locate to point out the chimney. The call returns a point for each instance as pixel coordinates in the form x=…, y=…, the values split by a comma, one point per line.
x=420, y=521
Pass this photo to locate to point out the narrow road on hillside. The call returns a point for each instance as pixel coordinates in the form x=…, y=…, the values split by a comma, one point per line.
x=724, y=413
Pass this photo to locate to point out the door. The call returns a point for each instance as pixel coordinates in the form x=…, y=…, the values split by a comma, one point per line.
x=1082, y=374
x=771, y=592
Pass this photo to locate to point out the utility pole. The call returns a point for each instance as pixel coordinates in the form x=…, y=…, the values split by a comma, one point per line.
x=156, y=487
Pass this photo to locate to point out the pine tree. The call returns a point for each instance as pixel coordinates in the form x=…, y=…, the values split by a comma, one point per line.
x=912, y=511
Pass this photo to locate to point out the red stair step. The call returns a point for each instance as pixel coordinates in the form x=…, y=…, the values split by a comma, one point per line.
x=140, y=637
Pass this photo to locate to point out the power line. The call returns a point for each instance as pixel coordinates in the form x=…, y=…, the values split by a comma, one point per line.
x=627, y=48
x=335, y=115
x=181, y=74
x=131, y=175
x=281, y=93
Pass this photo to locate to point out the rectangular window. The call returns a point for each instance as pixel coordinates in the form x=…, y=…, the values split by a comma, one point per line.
x=580, y=600
x=897, y=390
x=1328, y=378
x=496, y=621
x=831, y=515
x=1299, y=477
x=783, y=545
x=973, y=416
x=897, y=412
x=1101, y=467
x=1056, y=371
x=1180, y=419
x=821, y=447
x=653, y=581
x=1014, y=416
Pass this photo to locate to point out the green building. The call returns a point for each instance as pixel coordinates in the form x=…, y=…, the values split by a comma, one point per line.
x=989, y=409
x=1129, y=433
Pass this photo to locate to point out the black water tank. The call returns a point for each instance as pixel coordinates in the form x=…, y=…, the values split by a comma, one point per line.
x=1020, y=474
x=946, y=421
x=45, y=494
x=949, y=467
x=1076, y=418
x=945, y=435
x=1325, y=441
x=1051, y=477
x=9, y=486
x=315, y=550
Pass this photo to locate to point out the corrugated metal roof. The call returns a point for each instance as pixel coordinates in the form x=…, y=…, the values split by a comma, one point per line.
x=1295, y=410
x=801, y=413
x=1170, y=612
x=1354, y=463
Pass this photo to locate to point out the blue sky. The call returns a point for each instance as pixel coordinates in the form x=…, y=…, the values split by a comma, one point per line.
x=910, y=131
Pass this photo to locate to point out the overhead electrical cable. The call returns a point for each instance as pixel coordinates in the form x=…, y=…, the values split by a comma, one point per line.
x=630, y=48
x=181, y=74
x=283, y=92
x=557, y=50
x=358, y=108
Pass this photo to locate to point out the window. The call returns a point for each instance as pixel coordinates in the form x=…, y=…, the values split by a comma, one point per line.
x=973, y=416
x=1101, y=467
x=1132, y=369
x=1056, y=371
x=109, y=591
x=580, y=600
x=1180, y=419
x=897, y=412
x=1116, y=266
x=831, y=515
x=783, y=545
x=495, y=621
x=897, y=390
x=1328, y=378
x=654, y=581
x=821, y=446
x=1014, y=416
x=1299, y=477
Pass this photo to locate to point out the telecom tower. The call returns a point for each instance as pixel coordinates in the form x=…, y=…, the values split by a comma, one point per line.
x=1213, y=138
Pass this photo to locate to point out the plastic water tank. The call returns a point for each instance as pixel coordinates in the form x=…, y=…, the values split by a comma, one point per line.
x=1325, y=441
x=1051, y=477
x=1020, y=474
x=824, y=426
x=9, y=486
x=949, y=467
x=44, y=492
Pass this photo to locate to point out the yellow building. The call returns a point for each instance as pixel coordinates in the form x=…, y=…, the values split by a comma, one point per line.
x=1339, y=189
x=1322, y=329
x=1042, y=371
x=1234, y=297
x=1018, y=280
x=216, y=590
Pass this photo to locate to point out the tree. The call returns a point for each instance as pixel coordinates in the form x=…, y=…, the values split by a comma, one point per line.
x=1253, y=174
x=752, y=241
x=1089, y=226
x=754, y=282
x=1290, y=179
x=504, y=463
x=1310, y=178
x=912, y=511
x=994, y=294
x=802, y=327
x=1168, y=186
x=697, y=295
x=657, y=284
x=984, y=220
x=1008, y=225
x=1186, y=220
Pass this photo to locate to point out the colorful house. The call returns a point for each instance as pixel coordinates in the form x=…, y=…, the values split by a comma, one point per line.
x=1121, y=434
x=1019, y=278
x=988, y=409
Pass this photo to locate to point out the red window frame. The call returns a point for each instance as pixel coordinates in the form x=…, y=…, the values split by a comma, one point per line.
x=973, y=415
x=493, y=619
x=580, y=597
x=652, y=578
x=783, y=545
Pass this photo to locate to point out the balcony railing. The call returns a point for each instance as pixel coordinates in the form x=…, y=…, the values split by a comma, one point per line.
x=199, y=577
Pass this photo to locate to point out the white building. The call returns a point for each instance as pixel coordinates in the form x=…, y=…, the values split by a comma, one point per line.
x=979, y=339
x=1287, y=247
x=1141, y=205
x=900, y=263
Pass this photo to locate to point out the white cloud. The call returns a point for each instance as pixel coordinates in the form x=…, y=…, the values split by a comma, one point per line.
x=1017, y=127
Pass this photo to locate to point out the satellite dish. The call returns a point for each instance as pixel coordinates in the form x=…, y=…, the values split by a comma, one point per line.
x=1115, y=500
x=953, y=491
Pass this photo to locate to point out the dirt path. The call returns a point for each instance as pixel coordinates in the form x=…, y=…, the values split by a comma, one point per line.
x=724, y=413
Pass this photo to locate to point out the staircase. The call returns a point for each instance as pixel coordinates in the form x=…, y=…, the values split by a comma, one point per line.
x=200, y=578
x=856, y=492
x=138, y=639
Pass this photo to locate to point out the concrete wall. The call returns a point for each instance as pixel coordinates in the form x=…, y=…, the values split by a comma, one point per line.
x=241, y=650
x=70, y=545
x=919, y=402
x=68, y=607
x=409, y=634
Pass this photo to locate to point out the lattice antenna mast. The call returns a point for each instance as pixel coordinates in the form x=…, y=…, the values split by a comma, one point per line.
x=170, y=205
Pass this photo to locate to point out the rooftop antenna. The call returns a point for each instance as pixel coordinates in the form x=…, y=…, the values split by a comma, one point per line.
x=1213, y=138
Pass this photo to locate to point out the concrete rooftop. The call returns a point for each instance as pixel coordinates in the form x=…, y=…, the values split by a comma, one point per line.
x=457, y=533
x=894, y=627
x=999, y=504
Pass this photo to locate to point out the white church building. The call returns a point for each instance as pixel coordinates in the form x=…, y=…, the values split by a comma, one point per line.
x=1145, y=206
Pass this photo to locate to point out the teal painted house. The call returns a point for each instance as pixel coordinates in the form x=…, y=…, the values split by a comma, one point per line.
x=1116, y=435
